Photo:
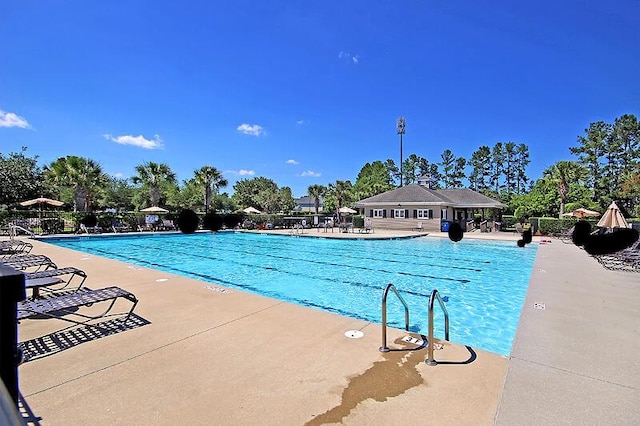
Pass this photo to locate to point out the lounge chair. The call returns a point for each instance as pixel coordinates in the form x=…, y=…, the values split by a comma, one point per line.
x=64, y=307
x=58, y=272
x=27, y=261
x=10, y=248
x=168, y=225
x=483, y=226
x=518, y=228
x=368, y=226
x=418, y=226
x=84, y=229
x=116, y=226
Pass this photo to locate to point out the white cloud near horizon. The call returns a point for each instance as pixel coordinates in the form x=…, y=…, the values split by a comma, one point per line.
x=243, y=172
x=293, y=162
x=139, y=141
x=251, y=129
x=11, y=119
x=349, y=57
x=310, y=173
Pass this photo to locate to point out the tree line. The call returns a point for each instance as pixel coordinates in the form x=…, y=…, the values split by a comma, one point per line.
x=606, y=168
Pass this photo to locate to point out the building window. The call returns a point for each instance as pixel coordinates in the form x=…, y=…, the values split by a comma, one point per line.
x=425, y=214
x=398, y=213
x=378, y=213
x=443, y=214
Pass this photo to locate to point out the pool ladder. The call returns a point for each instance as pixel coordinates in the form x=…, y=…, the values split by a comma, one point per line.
x=435, y=295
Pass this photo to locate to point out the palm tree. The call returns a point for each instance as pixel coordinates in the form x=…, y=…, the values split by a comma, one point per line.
x=316, y=192
x=341, y=191
x=152, y=176
x=84, y=175
x=562, y=174
x=212, y=180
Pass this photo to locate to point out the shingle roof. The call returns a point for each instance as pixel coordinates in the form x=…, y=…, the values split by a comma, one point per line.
x=459, y=197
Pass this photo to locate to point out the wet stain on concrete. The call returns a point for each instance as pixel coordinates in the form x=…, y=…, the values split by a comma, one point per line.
x=392, y=376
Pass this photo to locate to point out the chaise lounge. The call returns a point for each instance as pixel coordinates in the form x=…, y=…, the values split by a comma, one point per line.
x=64, y=307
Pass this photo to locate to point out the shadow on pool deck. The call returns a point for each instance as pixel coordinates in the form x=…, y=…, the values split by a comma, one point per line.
x=237, y=358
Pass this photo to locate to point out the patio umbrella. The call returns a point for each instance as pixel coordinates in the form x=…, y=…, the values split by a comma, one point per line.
x=252, y=210
x=155, y=209
x=613, y=218
x=42, y=200
x=347, y=210
x=582, y=213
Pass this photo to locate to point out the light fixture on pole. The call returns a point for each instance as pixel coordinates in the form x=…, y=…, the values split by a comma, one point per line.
x=401, y=124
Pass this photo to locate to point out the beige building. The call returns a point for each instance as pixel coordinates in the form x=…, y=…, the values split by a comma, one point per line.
x=408, y=206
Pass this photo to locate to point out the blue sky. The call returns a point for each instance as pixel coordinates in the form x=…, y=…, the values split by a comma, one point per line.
x=308, y=92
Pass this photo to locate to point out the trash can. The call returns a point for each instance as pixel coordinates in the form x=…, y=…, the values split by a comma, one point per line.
x=444, y=225
x=12, y=291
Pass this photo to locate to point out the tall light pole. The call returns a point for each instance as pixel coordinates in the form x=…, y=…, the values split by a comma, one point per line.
x=401, y=124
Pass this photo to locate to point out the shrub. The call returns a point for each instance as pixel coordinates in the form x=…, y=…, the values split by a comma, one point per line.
x=212, y=222
x=188, y=221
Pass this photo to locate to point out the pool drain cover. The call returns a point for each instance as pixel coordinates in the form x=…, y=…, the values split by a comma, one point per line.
x=354, y=334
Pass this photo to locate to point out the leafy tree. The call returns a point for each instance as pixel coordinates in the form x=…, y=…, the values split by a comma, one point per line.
x=154, y=177
x=510, y=168
x=561, y=175
x=521, y=162
x=393, y=171
x=118, y=194
x=84, y=175
x=458, y=172
x=374, y=178
x=316, y=192
x=497, y=166
x=263, y=194
x=630, y=190
x=412, y=168
x=210, y=180
x=480, y=163
x=590, y=149
x=286, y=202
x=22, y=178
x=448, y=165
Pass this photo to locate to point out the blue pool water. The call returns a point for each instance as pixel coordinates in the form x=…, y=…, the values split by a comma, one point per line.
x=484, y=282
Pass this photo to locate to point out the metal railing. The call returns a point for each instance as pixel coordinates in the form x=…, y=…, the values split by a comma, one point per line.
x=384, y=347
x=435, y=295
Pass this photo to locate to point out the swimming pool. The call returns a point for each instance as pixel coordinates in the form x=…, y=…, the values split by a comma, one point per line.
x=483, y=282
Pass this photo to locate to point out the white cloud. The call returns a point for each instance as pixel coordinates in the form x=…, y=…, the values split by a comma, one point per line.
x=354, y=59
x=242, y=172
x=117, y=175
x=301, y=122
x=10, y=119
x=251, y=129
x=310, y=173
x=294, y=162
x=139, y=141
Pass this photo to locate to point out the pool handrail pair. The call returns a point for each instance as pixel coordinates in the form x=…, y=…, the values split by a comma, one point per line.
x=435, y=295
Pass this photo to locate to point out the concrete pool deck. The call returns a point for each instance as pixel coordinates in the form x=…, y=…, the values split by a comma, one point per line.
x=201, y=354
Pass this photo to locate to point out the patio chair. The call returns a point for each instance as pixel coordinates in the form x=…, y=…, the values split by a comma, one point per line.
x=483, y=226
x=518, y=227
x=418, y=227
x=66, y=307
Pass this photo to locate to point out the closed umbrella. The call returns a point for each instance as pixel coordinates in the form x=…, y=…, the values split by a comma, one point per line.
x=613, y=218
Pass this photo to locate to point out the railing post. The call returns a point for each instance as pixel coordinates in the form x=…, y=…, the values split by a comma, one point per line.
x=384, y=347
x=435, y=295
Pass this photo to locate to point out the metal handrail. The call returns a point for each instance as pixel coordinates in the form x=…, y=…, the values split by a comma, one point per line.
x=435, y=295
x=384, y=347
